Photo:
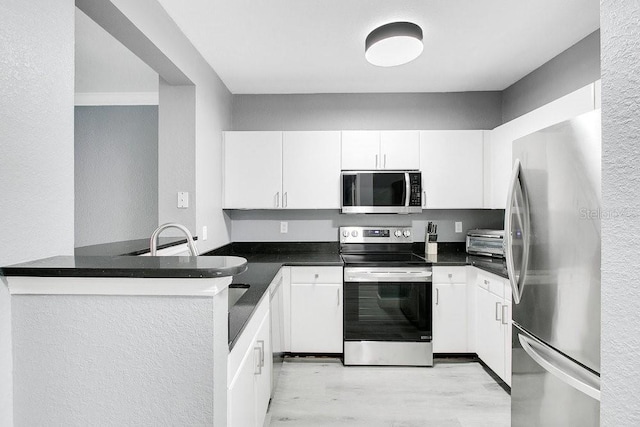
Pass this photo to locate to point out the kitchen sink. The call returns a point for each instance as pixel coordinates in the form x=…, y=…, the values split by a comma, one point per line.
x=236, y=290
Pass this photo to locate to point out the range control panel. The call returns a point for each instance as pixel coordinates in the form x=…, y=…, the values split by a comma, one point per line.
x=375, y=235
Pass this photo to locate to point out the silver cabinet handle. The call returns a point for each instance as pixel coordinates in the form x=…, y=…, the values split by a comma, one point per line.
x=261, y=342
x=258, y=366
x=486, y=282
x=505, y=313
x=284, y=200
x=277, y=199
x=562, y=368
x=338, y=295
x=437, y=296
x=499, y=311
x=424, y=199
x=376, y=161
x=384, y=164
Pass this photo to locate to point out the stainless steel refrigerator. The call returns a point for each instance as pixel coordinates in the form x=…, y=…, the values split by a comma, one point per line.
x=552, y=238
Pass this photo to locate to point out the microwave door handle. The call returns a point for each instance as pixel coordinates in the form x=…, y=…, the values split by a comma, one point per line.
x=407, y=189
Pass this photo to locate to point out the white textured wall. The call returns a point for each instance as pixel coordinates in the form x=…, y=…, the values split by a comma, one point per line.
x=114, y=360
x=36, y=146
x=621, y=194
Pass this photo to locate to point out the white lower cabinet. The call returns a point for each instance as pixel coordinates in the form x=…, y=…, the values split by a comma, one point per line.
x=493, y=318
x=249, y=372
x=450, y=310
x=316, y=310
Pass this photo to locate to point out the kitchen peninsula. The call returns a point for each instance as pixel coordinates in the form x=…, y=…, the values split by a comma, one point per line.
x=121, y=340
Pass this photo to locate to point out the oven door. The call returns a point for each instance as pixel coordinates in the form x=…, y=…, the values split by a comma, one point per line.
x=387, y=304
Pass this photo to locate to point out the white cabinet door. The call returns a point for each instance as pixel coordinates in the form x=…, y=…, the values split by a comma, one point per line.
x=311, y=170
x=360, y=150
x=316, y=311
x=506, y=327
x=490, y=335
x=252, y=170
x=452, y=169
x=399, y=149
x=450, y=318
x=241, y=401
x=262, y=386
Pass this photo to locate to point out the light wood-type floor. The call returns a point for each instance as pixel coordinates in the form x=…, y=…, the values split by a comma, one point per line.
x=323, y=392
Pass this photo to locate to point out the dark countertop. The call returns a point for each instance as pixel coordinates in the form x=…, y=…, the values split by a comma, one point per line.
x=127, y=247
x=129, y=266
x=264, y=262
x=266, y=259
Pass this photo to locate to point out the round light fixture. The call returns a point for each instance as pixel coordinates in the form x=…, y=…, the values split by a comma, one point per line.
x=394, y=44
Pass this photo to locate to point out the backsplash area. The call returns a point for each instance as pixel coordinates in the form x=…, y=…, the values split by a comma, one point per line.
x=322, y=225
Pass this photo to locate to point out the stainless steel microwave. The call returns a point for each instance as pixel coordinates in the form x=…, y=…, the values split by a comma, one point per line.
x=397, y=192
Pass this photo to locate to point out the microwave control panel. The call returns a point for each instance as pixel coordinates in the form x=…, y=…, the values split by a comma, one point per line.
x=415, y=196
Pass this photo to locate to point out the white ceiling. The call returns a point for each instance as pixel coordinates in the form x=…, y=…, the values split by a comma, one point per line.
x=317, y=46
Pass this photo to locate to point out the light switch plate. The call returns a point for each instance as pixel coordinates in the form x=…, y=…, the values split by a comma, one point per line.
x=204, y=232
x=458, y=226
x=183, y=199
x=284, y=227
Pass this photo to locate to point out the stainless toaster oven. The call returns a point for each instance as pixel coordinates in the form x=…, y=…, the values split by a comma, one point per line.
x=485, y=242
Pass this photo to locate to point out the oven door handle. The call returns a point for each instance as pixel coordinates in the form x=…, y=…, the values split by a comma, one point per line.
x=387, y=276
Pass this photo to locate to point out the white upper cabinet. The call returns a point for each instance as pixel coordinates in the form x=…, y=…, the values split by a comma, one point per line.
x=360, y=150
x=372, y=150
x=311, y=170
x=451, y=162
x=400, y=149
x=252, y=170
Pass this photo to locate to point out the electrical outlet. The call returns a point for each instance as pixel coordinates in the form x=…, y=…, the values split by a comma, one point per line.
x=183, y=199
x=204, y=232
x=284, y=227
x=458, y=226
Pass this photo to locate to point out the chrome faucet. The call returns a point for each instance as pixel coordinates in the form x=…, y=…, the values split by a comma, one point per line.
x=154, y=238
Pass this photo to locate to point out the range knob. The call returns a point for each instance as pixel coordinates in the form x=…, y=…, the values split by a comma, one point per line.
x=354, y=233
x=406, y=233
x=397, y=233
x=345, y=233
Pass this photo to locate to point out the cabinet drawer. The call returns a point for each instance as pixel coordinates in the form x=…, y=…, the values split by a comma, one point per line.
x=493, y=284
x=316, y=275
x=449, y=274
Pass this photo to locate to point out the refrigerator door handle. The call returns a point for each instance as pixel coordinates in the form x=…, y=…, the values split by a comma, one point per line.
x=581, y=379
x=517, y=283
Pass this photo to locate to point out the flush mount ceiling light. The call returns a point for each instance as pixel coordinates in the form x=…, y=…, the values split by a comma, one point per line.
x=394, y=44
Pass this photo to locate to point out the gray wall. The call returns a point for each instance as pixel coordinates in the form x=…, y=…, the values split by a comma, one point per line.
x=572, y=69
x=467, y=110
x=113, y=360
x=116, y=173
x=322, y=226
x=177, y=154
x=620, y=188
x=36, y=146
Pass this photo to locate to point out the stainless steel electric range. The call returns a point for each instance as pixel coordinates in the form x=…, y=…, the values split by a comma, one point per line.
x=387, y=298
